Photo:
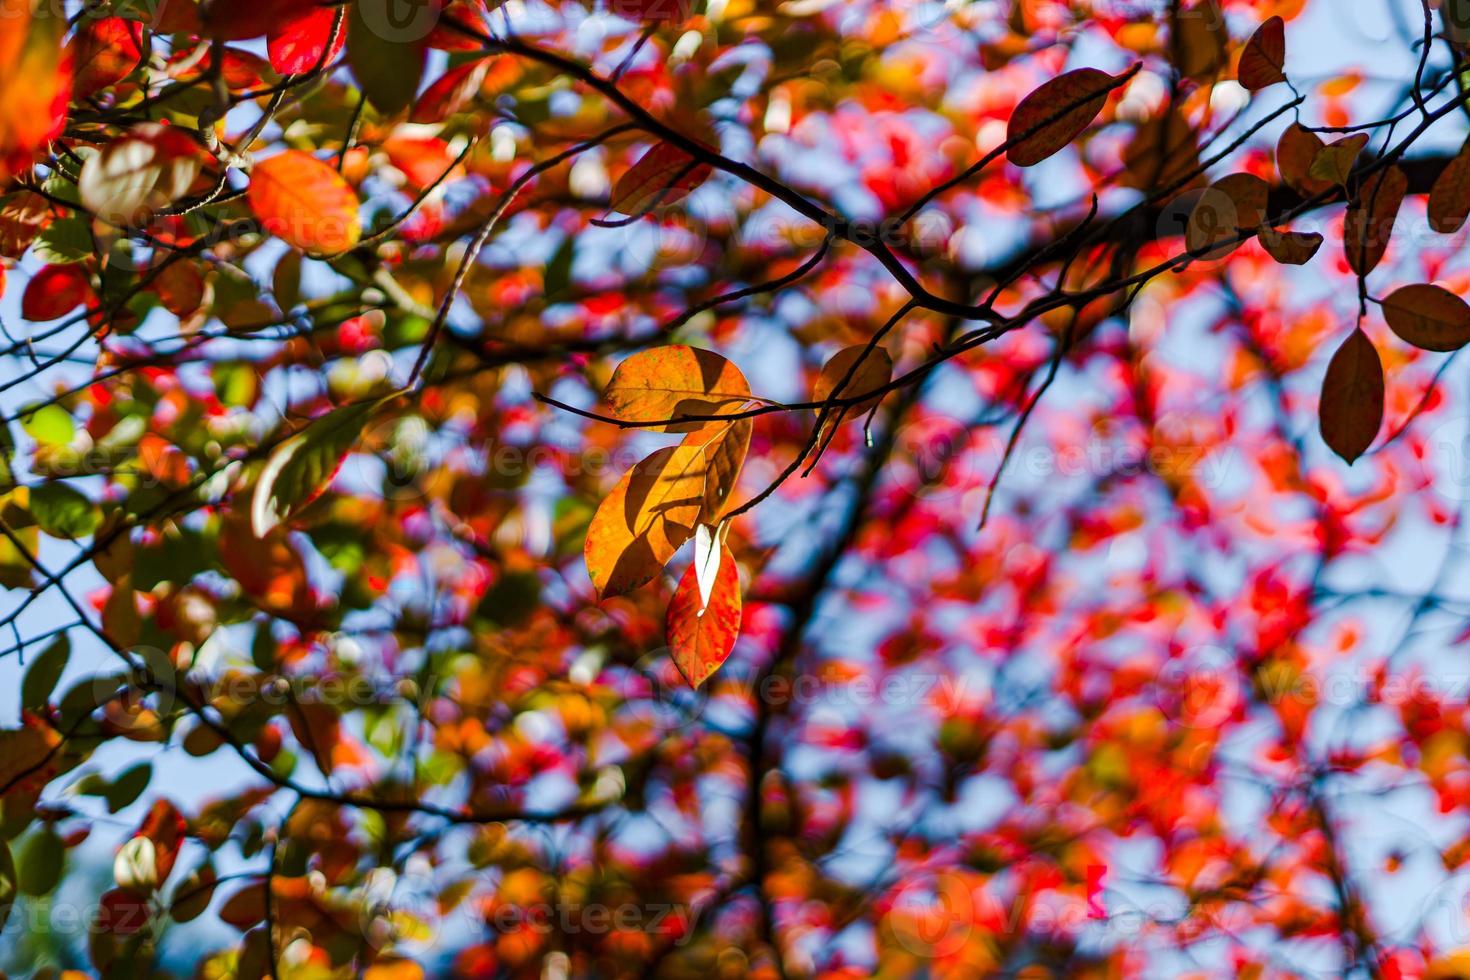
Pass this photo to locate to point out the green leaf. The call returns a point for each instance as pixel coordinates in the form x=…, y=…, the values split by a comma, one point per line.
x=64, y=512
x=387, y=58
x=65, y=241
x=42, y=856
x=44, y=672
x=559, y=270
x=7, y=458
x=303, y=465
x=126, y=788
x=236, y=383
x=49, y=424
x=9, y=886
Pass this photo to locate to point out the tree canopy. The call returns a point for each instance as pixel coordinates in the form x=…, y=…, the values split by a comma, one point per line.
x=774, y=488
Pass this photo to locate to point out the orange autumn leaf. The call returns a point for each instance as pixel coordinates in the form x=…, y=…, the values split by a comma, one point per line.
x=667, y=383
x=28, y=755
x=725, y=447
x=35, y=83
x=1296, y=151
x=647, y=517
x=305, y=203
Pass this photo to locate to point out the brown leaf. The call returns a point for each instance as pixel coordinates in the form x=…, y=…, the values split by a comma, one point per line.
x=1449, y=199
x=1296, y=151
x=1263, y=62
x=1056, y=113
x=1351, y=409
x=1228, y=207
x=28, y=755
x=1429, y=317
x=1290, y=247
x=1370, y=219
x=874, y=371
x=1201, y=40
x=670, y=382
x=701, y=637
x=1163, y=153
x=649, y=514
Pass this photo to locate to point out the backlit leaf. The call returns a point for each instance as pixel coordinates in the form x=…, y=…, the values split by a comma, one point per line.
x=301, y=467
x=305, y=39
x=1335, y=161
x=1201, y=40
x=1296, y=151
x=53, y=292
x=43, y=673
x=645, y=519
x=449, y=93
x=148, y=168
x=104, y=51
x=857, y=371
x=305, y=203
x=233, y=20
x=1351, y=409
x=702, y=635
x=1230, y=207
x=675, y=381
x=661, y=176
x=725, y=447
x=64, y=512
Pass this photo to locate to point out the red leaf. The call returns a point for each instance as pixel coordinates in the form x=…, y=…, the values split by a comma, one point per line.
x=165, y=827
x=701, y=637
x=54, y=292
x=104, y=51
x=122, y=912
x=180, y=288
x=237, y=20
x=449, y=93
x=306, y=40
x=663, y=11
